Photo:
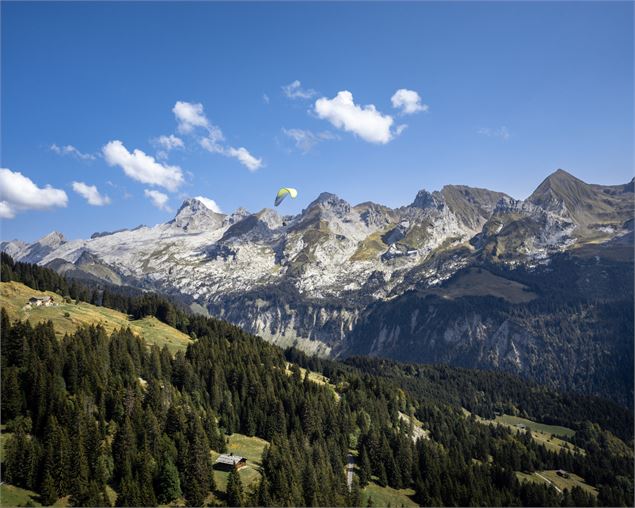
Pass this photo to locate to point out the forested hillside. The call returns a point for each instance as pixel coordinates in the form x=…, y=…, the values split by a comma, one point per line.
x=101, y=419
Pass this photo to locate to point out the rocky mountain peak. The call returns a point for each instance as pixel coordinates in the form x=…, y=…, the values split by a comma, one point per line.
x=564, y=194
x=53, y=239
x=426, y=200
x=194, y=215
x=329, y=201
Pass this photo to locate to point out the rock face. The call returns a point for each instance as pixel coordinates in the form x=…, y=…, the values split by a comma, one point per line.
x=323, y=279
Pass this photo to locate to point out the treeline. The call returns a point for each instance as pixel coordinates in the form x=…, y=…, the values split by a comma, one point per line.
x=92, y=411
x=487, y=393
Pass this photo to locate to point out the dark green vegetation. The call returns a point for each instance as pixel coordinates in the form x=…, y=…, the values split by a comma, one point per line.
x=94, y=411
x=567, y=324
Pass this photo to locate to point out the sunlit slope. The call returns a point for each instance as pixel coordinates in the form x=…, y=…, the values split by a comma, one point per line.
x=67, y=317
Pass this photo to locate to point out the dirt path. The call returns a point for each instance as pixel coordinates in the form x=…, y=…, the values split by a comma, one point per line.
x=350, y=466
x=549, y=482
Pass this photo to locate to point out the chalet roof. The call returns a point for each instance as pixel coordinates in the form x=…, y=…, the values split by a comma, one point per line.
x=230, y=460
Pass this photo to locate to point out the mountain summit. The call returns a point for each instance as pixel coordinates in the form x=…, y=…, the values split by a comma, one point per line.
x=194, y=215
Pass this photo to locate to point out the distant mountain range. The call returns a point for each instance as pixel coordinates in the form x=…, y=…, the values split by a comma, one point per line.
x=542, y=287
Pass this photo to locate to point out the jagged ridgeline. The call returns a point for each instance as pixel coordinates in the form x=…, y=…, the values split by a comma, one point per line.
x=97, y=418
x=541, y=287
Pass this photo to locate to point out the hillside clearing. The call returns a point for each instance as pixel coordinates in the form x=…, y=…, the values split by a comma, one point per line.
x=249, y=447
x=550, y=477
x=418, y=432
x=387, y=496
x=14, y=295
x=542, y=433
x=315, y=377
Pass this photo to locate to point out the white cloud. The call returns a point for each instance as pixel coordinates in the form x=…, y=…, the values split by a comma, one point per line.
x=499, y=132
x=71, y=150
x=166, y=144
x=305, y=140
x=91, y=194
x=169, y=142
x=142, y=167
x=189, y=116
x=244, y=157
x=209, y=203
x=193, y=115
x=294, y=90
x=158, y=199
x=364, y=121
x=5, y=211
x=212, y=142
x=265, y=98
x=400, y=128
x=19, y=193
x=408, y=101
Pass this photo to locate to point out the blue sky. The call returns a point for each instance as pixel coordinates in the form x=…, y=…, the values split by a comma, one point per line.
x=507, y=93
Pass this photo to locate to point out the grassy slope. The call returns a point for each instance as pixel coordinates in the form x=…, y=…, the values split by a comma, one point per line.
x=15, y=496
x=387, y=496
x=249, y=447
x=551, y=477
x=13, y=297
x=542, y=433
x=314, y=377
x=535, y=426
x=482, y=283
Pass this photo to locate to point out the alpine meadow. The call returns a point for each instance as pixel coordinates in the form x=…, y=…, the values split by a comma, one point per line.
x=358, y=254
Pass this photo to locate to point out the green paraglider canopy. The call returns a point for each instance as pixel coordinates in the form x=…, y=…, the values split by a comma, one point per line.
x=283, y=193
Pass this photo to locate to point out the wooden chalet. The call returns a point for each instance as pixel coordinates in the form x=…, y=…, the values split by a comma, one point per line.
x=228, y=461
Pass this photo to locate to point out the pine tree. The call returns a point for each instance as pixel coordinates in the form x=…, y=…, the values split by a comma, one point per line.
x=169, y=483
x=355, y=495
x=198, y=473
x=263, y=498
x=364, y=468
x=48, y=491
x=12, y=399
x=234, y=489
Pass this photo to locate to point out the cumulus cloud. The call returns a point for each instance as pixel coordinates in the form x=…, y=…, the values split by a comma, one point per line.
x=158, y=199
x=499, y=132
x=166, y=144
x=169, y=142
x=213, y=141
x=91, y=194
x=189, y=115
x=142, y=167
x=19, y=193
x=305, y=140
x=209, y=203
x=408, y=101
x=364, y=121
x=71, y=150
x=294, y=90
x=244, y=157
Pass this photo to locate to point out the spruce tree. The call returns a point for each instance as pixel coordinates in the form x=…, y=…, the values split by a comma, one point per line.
x=234, y=489
x=48, y=491
x=198, y=473
x=168, y=483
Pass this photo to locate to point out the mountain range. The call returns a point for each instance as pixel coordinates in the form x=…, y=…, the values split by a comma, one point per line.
x=542, y=287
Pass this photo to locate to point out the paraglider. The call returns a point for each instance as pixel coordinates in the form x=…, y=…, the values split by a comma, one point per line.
x=283, y=193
